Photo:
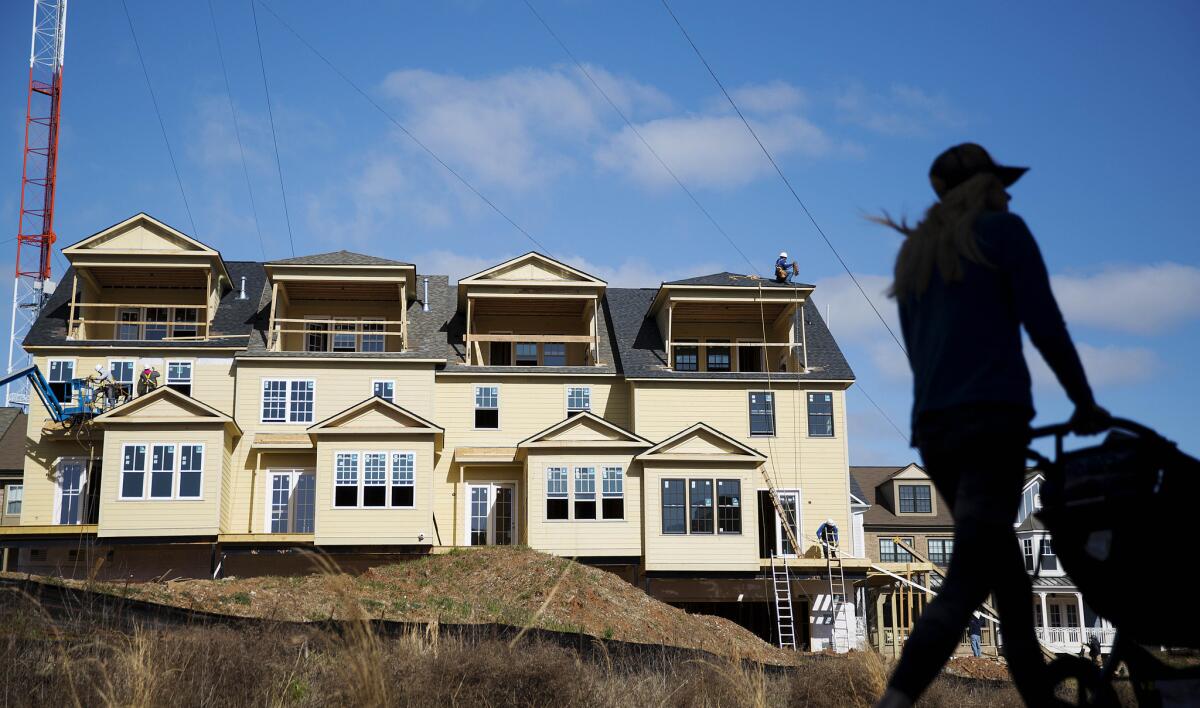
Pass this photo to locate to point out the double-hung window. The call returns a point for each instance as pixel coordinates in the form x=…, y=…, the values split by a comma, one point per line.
x=374, y=479
x=184, y=322
x=179, y=376
x=1046, y=558
x=940, y=550
x=288, y=400
x=579, y=399
x=60, y=375
x=762, y=413
x=612, y=502
x=729, y=506
x=345, y=335
x=385, y=389
x=701, y=503
x=13, y=494
x=128, y=327
x=554, y=354
x=526, y=354
x=820, y=415
x=686, y=355
x=557, y=502
x=716, y=355
x=1027, y=551
x=915, y=499
x=162, y=471
x=487, y=407
x=674, y=506
x=122, y=373
x=585, y=492
x=889, y=552
x=157, y=319
x=372, y=335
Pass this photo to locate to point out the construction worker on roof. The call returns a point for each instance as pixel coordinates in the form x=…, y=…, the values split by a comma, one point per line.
x=784, y=270
x=827, y=534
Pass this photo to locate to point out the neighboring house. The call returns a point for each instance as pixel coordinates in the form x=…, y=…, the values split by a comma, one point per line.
x=12, y=468
x=350, y=404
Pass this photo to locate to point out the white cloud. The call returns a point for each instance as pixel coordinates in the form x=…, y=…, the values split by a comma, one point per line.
x=710, y=151
x=1137, y=299
x=849, y=316
x=902, y=110
x=771, y=97
x=1106, y=367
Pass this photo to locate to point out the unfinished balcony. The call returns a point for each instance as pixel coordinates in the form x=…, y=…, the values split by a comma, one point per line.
x=534, y=313
x=339, y=303
x=728, y=323
x=142, y=281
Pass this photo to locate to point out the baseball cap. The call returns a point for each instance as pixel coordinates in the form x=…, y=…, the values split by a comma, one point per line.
x=962, y=162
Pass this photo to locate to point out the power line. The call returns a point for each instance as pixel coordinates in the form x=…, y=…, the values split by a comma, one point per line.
x=162, y=126
x=639, y=135
x=886, y=417
x=236, y=130
x=274, y=140
x=782, y=176
x=403, y=129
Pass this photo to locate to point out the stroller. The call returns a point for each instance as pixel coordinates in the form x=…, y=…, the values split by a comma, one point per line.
x=1120, y=514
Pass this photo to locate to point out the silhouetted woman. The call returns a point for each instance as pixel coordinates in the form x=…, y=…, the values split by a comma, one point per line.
x=968, y=276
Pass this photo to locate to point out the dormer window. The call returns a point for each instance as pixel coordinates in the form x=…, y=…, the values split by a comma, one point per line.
x=915, y=499
x=1046, y=558
x=687, y=355
x=716, y=355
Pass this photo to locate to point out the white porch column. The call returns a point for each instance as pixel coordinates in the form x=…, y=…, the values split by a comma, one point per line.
x=1083, y=638
x=1045, y=616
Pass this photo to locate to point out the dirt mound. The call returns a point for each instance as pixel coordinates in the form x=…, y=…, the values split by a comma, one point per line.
x=505, y=585
x=980, y=667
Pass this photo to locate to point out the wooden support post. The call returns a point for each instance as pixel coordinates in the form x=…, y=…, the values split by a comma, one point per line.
x=71, y=322
x=271, y=341
x=880, y=601
x=470, y=345
x=896, y=623
x=403, y=319
x=908, y=621
x=208, y=301
x=595, y=332
x=253, y=483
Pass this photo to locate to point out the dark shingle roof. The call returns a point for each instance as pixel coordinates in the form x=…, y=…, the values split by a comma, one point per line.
x=1032, y=523
x=856, y=490
x=12, y=440
x=870, y=478
x=233, y=317
x=641, y=351
x=736, y=279
x=339, y=258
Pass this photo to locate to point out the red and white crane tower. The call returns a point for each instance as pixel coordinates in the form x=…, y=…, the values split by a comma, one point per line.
x=35, y=228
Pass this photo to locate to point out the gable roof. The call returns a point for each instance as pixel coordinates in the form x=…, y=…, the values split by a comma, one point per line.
x=13, y=424
x=166, y=406
x=604, y=433
x=857, y=495
x=870, y=479
x=723, y=447
x=530, y=257
x=375, y=416
x=727, y=279
x=339, y=258
x=140, y=217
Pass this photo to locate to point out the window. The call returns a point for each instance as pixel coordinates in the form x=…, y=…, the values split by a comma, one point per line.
x=1055, y=614
x=345, y=469
x=175, y=471
x=374, y=479
x=372, y=337
x=132, y=330
x=184, y=323
x=940, y=550
x=487, y=407
x=889, y=552
x=122, y=373
x=820, y=415
x=1029, y=501
x=1046, y=556
x=179, y=376
x=133, y=471
x=13, y=494
x=729, y=506
x=385, y=389
x=404, y=465
x=288, y=401
x=701, y=519
x=191, y=469
x=579, y=399
x=674, y=506
x=554, y=354
x=915, y=499
x=717, y=356
x=292, y=495
x=762, y=413
x=156, y=319
x=526, y=354
x=686, y=357
x=162, y=470
x=612, y=501
x=61, y=373
x=585, y=492
x=556, y=493
x=316, y=337
x=749, y=358
x=345, y=335
x=1027, y=551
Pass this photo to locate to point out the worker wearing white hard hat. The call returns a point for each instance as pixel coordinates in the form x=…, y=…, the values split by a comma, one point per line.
x=784, y=270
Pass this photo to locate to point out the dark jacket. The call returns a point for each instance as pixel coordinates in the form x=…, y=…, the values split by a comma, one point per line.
x=964, y=338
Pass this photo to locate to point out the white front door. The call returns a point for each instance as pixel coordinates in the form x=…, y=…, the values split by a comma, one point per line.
x=790, y=501
x=491, y=514
x=71, y=496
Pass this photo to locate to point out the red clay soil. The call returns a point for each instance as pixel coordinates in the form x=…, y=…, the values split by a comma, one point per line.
x=505, y=585
x=980, y=667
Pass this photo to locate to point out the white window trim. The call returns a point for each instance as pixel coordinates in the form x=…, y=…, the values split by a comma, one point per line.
x=780, y=536
x=287, y=402
x=295, y=473
x=516, y=510
x=191, y=372
x=361, y=480
x=83, y=488
x=133, y=381
x=7, y=497
x=475, y=407
x=375, y=382
x=138, y=316
x=567, y=398
x=599, y=484
x=74, y=370
x=175, y=471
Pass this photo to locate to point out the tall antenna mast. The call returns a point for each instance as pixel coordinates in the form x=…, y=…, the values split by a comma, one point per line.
x=35, y=226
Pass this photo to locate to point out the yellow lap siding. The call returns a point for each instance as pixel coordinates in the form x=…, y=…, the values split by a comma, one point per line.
x=600, y=537
x=374, y=526
x=712, y=551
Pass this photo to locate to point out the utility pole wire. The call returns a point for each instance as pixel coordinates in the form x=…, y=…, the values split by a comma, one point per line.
x=274, y=140
x=783, y=177
x=162, y=126
x=429, y=151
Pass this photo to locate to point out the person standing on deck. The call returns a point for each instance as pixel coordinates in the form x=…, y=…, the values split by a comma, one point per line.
x=967, y=278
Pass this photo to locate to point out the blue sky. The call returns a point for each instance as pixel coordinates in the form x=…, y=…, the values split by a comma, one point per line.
x=1101, y=99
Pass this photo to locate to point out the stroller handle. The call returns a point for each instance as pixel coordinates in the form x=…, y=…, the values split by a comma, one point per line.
x=1061, y=430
